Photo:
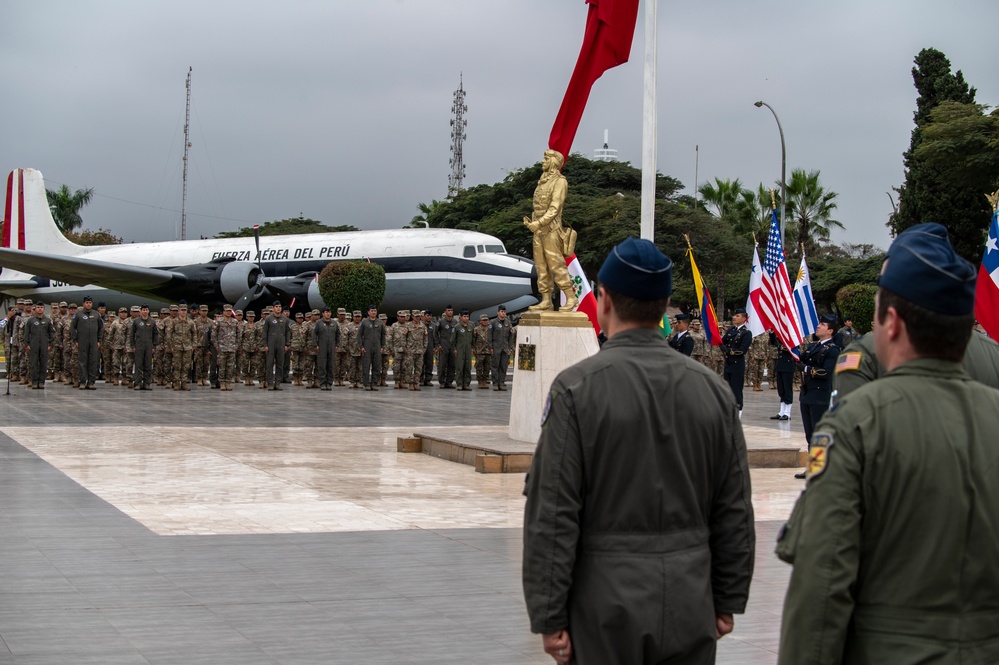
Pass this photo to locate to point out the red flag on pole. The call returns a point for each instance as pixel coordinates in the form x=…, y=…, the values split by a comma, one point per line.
x=610, y=27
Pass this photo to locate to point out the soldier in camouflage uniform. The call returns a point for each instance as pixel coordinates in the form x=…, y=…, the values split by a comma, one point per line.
x=340, y=357
x=58, y=322
x=167, y=373
x=483, y=353
x=396, y=340
x=756, y=360
x=772, y=353
x=202, y=356
x=118, y=334
x=259, y=369
x=237, y=376
x=250, y=345
x=159, y=363
x=226, y=337
x=70, y=356
x=717, y=354
x=387, y=351
x=416, y=346
x=353, y=346
x=53, y=315
x=700, y=352
x=309, y=355
x=27, y=312
x=296, y=347
x=183, y=338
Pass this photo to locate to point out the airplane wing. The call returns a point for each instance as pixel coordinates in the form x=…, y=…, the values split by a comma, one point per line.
x=80, y=271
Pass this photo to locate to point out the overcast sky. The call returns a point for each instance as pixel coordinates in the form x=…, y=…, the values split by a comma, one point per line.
x=340, y=111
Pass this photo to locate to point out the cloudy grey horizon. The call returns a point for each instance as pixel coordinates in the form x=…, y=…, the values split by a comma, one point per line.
x=340, y=111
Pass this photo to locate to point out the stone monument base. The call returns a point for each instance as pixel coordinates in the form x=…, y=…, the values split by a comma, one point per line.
x=548, y=342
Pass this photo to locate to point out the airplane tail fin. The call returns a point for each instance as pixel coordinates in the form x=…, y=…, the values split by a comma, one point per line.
x=28, y=220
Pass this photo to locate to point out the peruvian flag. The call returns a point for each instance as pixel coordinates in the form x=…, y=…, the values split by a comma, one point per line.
x=587, y=301
x=987, y=287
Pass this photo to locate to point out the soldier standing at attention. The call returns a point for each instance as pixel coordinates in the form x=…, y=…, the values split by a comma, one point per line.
x=700, y=352
x=106, y=350
x=183, y=339
x=55, y=358
x=483, y=352
x=13, y=331
x=309, y=355
x=416, y=347
x=86, y=332
x=783, y=377
x=682, y=340
x=445, y=354
x=296, y=347
x=462, y=338
x=325, y=339
x=342, y=358
x=276, y=337
x=396, y=341
x=250, y=343
x=386, y=350
x=142, y=337
x=226, y=338
x=757, y=361
x=167, y=374
x=735, y=344
x=371, y=340
x=22, y=363
x=638, y=547
x=427, y=373
x=71, y=368
x=895, y=539
x=37, y=340
x=501, y=338
x=353, y=346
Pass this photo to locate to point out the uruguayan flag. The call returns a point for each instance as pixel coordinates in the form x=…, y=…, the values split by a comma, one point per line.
x=803, y=302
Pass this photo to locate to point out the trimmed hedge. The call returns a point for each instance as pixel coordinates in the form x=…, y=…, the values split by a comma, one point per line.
x=857, y=302
x=352, y=285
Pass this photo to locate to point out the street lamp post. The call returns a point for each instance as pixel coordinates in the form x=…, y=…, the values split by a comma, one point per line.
x=783, y=167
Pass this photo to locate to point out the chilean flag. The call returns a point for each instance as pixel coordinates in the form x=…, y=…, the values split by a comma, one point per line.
x=587, y=301
x=987, y=288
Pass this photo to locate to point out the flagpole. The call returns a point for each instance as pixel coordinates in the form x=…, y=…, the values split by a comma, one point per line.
x=648, y=228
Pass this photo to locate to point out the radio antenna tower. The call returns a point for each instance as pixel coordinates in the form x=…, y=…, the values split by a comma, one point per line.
x=187, y=145
x=458, y=136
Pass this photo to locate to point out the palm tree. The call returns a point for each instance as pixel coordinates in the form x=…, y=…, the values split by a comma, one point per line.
x=427, y=211
x=66, y=205
x=811, y=208
x=753, y=212
x=721, y=198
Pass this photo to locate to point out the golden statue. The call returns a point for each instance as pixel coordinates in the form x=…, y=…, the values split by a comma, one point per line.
x=552, y=242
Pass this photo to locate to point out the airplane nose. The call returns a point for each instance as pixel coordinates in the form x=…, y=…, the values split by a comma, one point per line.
x=534, y=282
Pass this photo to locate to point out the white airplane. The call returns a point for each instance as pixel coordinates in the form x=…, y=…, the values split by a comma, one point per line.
x=423, y=267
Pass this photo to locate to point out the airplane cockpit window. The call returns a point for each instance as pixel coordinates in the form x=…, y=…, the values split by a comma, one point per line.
x=496, y=249
x=469, y=252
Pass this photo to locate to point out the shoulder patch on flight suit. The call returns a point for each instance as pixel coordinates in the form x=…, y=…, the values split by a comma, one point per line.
x=818, y=454
x=849, y=361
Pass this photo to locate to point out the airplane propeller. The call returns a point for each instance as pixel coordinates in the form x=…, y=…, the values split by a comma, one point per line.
x=260, y=284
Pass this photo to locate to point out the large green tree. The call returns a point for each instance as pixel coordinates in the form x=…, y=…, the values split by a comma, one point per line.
x=66, y=206
x=289, y=226
x=929, y=194
x=810, y=210
x=962, y=142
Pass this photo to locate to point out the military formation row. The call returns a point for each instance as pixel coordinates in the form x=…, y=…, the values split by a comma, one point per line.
x=138, y=348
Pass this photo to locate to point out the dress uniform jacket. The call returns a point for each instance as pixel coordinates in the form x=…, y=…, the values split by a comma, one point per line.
x=682, y=342
x=857, y=364
x=638, y=526
x=820, y=365
x=895, y=539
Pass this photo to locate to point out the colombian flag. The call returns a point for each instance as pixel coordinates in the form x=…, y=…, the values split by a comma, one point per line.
x=709, y=319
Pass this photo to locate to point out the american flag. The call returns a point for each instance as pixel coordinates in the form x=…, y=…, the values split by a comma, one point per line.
x=775, y=305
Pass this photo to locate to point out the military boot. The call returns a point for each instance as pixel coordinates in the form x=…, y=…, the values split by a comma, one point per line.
x=543, y=306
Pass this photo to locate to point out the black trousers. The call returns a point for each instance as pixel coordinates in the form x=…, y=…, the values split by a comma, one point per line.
x=811, y=414
x=38, y=364
x=143, y=367
x=501, y=361
x=785, y=387
x=428, y=367
x=735, y=376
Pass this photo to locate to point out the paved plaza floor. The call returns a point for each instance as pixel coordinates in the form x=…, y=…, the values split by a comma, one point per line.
x=283, y=527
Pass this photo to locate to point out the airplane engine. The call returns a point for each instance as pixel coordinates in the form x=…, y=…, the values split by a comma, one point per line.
x=315, y=300
x=220, y=281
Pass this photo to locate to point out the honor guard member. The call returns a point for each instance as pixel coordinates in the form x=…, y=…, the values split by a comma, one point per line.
x=325, y=339
x=37, y=340
x=445, y=354
x=276, y=337
x=735, y=344
x=86, y=332
x=894, y=541
x=416, y=348
x=819, y=360
x=638, y=529
x=681, y=340
x=371, y=339
x=501, y=338
x=784, y=369
x=143, y=335
x=427, y=374
x=462, y=338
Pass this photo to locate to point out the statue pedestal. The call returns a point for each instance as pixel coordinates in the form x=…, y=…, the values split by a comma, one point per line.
x=557, y=340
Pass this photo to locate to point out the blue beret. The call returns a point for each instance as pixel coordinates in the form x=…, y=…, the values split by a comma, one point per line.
x=637, y=269
x=923, y=268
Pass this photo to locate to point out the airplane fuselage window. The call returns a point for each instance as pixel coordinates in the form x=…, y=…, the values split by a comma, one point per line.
x=496, y=249
x=469, y=252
